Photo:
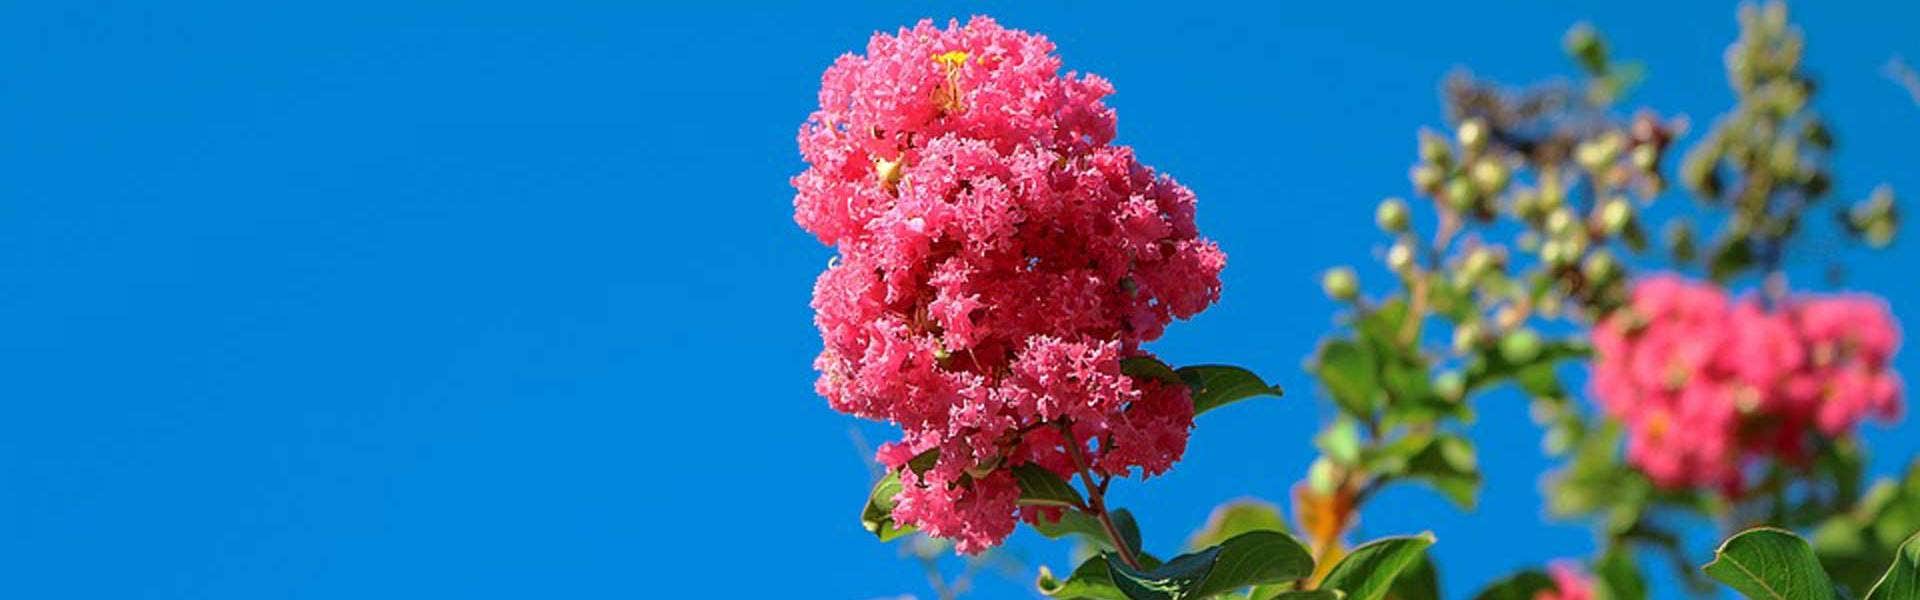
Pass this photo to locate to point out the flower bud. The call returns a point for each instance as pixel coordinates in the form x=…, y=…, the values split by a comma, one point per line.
x=1615, y=215
x=1392, y=215
x=1600, y=267
x=1520, y=347
x=1434, y=150
x=1400, y=257
x=1426, y=179
x=1340, y=284
x=1585, y=46
x=1644, y=157
x=1560, y=222
x=1465, y=337
x=1490, y=176
x=1472, y=135
x=1478, y=263
x=1459, y=194
x=1450, y=386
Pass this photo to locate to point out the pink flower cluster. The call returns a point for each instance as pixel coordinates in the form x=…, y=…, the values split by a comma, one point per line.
x=1708, y=386
x=998, y=258
x=1569, y=583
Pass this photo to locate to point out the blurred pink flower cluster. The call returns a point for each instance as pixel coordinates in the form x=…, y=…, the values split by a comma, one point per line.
x=1569, y=583
x=1708, y=385
x=998, y=257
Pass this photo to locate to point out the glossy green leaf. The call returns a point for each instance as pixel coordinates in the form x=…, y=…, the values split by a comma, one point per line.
x=1147, y=367
x=1525, y=585
x=1090, y=581
x=1419, y=581
x=877, y=516
x=1215, y=386
x=1177, y=579
x=1770, y=564
x=1491, y=367
x=1902, y=581
x=1254, y=558
x=1073, y=522
x=1234, y=518
x=1350, y=375
x=1369, y=570
x=1042, y=487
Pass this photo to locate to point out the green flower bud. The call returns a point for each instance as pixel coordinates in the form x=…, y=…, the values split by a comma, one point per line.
x=1427, y=178
x=1472, y=135
x=1490, y=176
x=1400, y=257
x=1478, y=263
x=1434, y=149
x=1600, y=267
x=1520, y=347
x=1586, y=48
x=1465, y=337
x=1340, y=284
x=1392, y=215
x=1615, y=215
x=1450, y=385
x=1560, y=222
x=1459, y=194
x=1645, y=157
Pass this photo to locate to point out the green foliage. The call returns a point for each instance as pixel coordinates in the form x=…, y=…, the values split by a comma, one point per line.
x=1369, y=570
x=1235, y=518
x=877, y=516
x=1525, y=585
x=1089, y=529
x=1770, y=564
x=1213, y=386
x=1902, y=581
x=1241, y=561
x=1041, y=487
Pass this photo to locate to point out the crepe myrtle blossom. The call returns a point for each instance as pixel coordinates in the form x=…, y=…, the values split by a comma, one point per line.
x=1569, y=583
x=1708, y=385
x=998, y=256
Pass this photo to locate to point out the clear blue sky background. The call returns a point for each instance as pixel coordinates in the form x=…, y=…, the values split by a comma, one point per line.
x=505, y=300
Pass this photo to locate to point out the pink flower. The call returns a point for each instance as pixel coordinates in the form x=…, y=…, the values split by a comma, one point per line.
x=1708, y=387
x=1569, y=582
x=998, y=257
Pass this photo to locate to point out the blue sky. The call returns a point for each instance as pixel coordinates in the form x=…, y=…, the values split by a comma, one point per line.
x=505, y=300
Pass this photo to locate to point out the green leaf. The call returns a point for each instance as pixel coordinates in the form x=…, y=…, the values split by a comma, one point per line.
x=1215, y=386
x=1073, y=522
x=1448, y=464
x=1770, y=564
x=1349, y=373
x=1525, y=585
x=1418, y=581
x=1902, y=581
x=1489, y=368
x=1340, y=442
x=1177, y=579
x=1041, y=487
x=1147, y=367
x=1234, y=518
x=877, y=517
x=1090, y=581
x=1368, y=571
x=1254, y=558
x=1619, y=577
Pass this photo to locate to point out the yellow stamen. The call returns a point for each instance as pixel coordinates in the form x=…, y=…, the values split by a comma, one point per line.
x=888, y=171
x=953, y=60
